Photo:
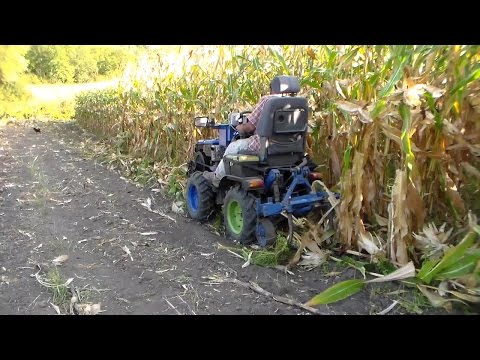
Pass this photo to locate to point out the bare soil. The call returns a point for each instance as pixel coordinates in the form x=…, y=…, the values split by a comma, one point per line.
x=54, y=201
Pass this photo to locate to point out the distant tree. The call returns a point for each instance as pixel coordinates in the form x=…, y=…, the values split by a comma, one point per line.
x=50, y=63
x=77, y=63
x=83, y=59
x=64, y=70
x=39, y=61
x=12, y=67
x=111, y=61
x=12, y=63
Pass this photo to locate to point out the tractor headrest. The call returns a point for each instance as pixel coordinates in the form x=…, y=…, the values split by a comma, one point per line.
x=285, y=85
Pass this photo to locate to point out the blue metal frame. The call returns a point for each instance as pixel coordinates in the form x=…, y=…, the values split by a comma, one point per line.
x=298, y=204
x=226, y=134
x=209, y=142
x=272, y=175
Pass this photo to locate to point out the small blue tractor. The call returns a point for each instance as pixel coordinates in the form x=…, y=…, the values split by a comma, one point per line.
x=258, y=188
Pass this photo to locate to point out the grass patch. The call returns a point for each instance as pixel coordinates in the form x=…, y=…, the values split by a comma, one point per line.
x=279, y=254
x=414, y=302
x=382, y=266
x=217, y=224
x=60, y=292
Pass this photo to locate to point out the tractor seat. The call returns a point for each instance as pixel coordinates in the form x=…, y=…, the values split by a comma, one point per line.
x=243, y=158
x=248, y=152
x=283, y=124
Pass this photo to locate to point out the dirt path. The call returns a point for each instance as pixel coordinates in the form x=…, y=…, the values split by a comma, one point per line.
x=55, y=202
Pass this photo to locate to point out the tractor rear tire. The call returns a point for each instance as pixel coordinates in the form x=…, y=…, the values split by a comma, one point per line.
x=240, y=215
x=199, y=196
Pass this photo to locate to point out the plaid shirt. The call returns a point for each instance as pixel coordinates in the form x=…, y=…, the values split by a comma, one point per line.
x=254, y=144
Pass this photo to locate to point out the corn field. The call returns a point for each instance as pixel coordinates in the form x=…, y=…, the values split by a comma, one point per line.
x=394, y=129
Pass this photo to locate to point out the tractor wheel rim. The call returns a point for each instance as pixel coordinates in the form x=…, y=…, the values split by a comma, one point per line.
x=235, y=217
x=193, y=197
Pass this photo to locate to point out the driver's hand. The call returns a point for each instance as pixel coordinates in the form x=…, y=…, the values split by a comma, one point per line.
x=242, y=131
x=241, y=128
x=246, y=128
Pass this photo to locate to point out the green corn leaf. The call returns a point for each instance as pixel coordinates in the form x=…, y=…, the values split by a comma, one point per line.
x=332, y=56
x=358, y=265
x=463, y=267
x=281, y=60
x=456, y=253
x=451, y=257
x=379, y=106
x=430, y=101
x=310, y=83
x=474, y=75
x=404, y=111
x=397, y=74
x=337, y=292
x=346, y=158
x=348, y=58
x=427, y=267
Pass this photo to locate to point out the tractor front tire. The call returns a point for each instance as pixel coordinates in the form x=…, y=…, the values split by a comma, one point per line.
x=240, y=215
x=199, y=196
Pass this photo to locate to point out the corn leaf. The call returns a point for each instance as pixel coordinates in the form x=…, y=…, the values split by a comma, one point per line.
x=427, y=267
x=355, y=264
x=436, y=300
x=466, y=297
x=405, y=272
x=337, y=292
x=397, y=74
x=463, y=267
x=474, y=75
x=379, y=106
x=451, y=257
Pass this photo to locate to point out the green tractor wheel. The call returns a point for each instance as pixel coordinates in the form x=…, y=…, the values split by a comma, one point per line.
x=240, y=216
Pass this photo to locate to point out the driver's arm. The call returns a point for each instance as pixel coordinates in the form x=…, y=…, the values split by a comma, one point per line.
x=247, y=128
x=250, y=126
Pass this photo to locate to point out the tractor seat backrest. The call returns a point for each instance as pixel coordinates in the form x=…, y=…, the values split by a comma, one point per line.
x=285, y=85
x=282, y=126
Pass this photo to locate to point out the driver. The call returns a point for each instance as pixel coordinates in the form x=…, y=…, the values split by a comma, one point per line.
x=251, y=144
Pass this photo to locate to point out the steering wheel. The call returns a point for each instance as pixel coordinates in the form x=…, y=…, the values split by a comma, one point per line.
x=244, y=118
x=236, y=134
x=243, y=113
